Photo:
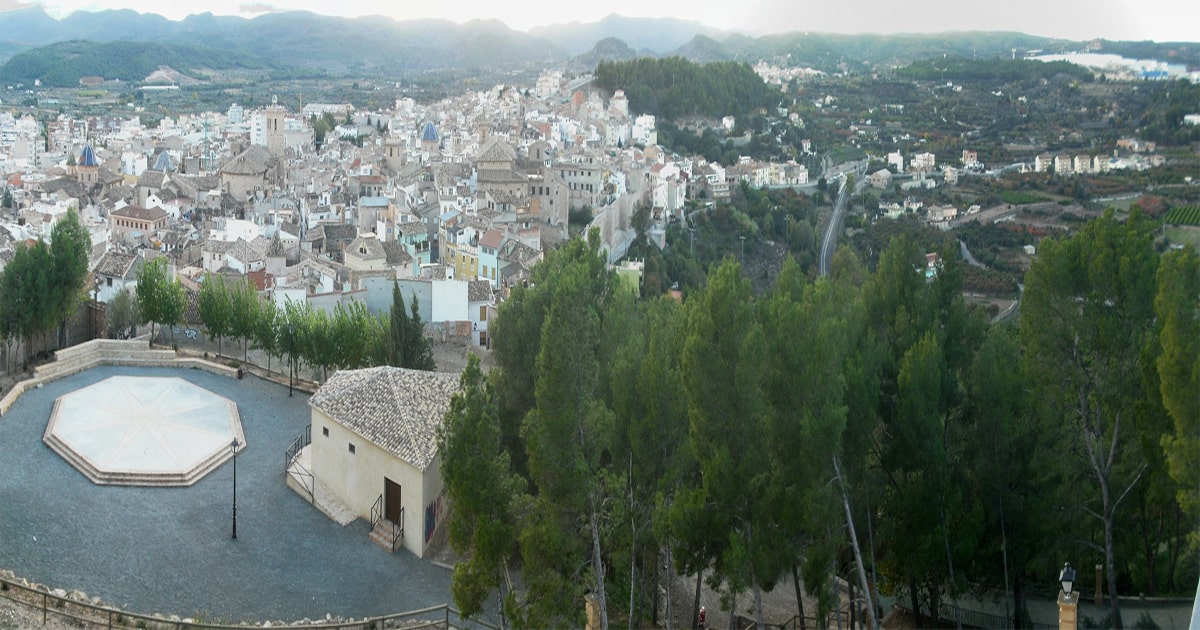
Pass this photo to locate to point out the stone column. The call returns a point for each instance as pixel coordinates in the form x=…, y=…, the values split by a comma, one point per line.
x=1099, y=584
x=593, y=612
x=1068, y=610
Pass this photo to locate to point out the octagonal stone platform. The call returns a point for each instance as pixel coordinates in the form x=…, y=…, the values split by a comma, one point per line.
x=143, y=431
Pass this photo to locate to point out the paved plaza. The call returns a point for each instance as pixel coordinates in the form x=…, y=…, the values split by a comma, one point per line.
x=168, y=549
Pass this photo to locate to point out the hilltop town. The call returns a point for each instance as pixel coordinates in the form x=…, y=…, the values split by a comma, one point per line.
x=937, y=181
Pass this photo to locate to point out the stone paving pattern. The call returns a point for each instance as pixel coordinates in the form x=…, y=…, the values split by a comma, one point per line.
x=168, y=550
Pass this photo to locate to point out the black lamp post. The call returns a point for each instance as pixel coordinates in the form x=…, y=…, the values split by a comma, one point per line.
x=1068, y=599
x=291, y=358
x=233, y=448
x=1067, y=578
x=95, y=307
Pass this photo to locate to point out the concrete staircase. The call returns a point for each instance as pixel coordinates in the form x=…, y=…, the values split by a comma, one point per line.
x=388, y=535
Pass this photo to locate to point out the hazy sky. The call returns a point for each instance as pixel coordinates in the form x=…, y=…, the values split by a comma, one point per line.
x=1160, y=20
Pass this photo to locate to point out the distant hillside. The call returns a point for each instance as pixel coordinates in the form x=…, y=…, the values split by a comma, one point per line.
x=608, y=49
x=675, y=88
x=298, y=40
x=61, y=65
x=832, y=52
x=703, y=49
x=961, y=69
x=657, y=35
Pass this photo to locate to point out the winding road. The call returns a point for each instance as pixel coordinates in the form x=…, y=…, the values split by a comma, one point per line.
x=829, y=242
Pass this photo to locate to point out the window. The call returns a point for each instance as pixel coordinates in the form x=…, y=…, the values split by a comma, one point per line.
x=483, y=313
x=325, y=431
x=351, y=449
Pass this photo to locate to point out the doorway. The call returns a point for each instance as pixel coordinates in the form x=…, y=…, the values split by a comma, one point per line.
x=391, y=500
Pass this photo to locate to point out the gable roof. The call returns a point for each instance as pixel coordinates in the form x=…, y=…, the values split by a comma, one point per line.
x=496, y=150
x=255, y=160
x=116, y=265
x=492, y=238
x=140, y=213
x=479, y=291
x=395, y=253
x=396, y=409
x=366, y=248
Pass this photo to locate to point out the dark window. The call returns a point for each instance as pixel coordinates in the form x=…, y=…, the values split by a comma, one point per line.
x=351, y=449
x=325, y=431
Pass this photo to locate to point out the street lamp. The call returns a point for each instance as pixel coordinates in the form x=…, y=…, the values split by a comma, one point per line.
x=1067, y=578
x=94, y=307
x=1068, y=599
x=291, y=358
x=233, y=448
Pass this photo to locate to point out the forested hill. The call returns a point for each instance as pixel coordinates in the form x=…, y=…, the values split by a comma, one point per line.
x=61, y=65
x=996, y=69
x=674, y=87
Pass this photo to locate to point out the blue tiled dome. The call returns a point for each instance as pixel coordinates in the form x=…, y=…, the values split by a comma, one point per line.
x=429, y=133
x=163, y=162
x=88, y=157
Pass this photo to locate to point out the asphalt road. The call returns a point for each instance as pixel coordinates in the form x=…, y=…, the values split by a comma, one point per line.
x=831, y=231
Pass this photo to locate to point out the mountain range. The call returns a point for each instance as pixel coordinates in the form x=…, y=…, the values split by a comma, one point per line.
x=32, y=44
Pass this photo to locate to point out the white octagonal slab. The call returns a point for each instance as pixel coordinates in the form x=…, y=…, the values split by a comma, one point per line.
x=144, y=431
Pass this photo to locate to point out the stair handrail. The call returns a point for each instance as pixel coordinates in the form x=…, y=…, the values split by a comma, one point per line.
x=297, y=445
x=376, y=511
x=398, y=531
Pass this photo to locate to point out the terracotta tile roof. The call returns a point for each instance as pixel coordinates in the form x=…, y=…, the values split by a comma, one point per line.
x=479, y=291
x=397, y=409
x=255, y=160
x=412, y=227
x=493, y=238
x=116, y=265
x=395, y=253
x=366, y=248
x=137, y=212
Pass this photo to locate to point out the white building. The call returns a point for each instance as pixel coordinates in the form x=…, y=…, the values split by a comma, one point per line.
x=644, y=132
x=374, y=446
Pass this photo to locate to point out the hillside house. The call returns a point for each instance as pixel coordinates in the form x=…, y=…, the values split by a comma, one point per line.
x=374, y=445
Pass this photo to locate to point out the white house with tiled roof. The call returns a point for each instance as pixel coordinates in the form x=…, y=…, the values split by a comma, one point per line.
x=374, y=445
x=115, y=272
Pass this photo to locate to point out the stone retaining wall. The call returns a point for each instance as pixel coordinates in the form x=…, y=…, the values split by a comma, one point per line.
x=89, y=354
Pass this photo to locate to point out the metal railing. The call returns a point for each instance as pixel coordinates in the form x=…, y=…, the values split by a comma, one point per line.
x=297, y=445
x=293, y=468
x=376, y=511
x=443, y=616
x=980, y=619
x=795, y=623
x=304, y=477
x=397, y=532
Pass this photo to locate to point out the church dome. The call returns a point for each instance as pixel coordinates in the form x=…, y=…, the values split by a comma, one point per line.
x=88, y=157
x=164, y=163
x=429, y=133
